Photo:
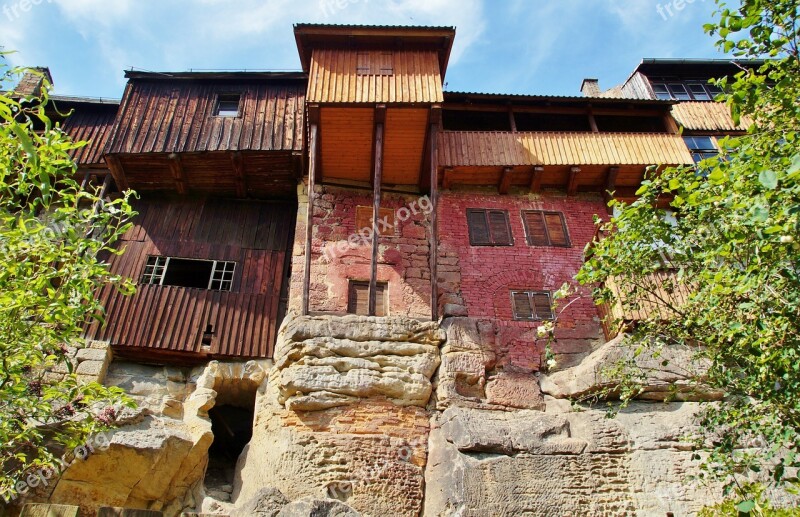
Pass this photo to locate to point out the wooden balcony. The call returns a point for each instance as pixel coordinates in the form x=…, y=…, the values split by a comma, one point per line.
x=571, y=161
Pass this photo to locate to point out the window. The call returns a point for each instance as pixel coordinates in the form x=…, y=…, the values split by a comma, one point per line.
x=216, y=275
x=489, y=227
x=375, y=63
x=358, y=298
x=227, y=105
x=364, y=220
x=701, y=147
x=545, y=228
x=531, y=305
x=698, y=91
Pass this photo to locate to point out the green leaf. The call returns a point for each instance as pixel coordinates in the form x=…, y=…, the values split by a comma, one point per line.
x=769, y=179
x=674, y=184
x=746, y=506
x=794, y=168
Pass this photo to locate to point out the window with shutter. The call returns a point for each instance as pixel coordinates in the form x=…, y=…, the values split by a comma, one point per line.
x=489, y=227
x=531, y=305
x=375, y=63
x=358, y=298
x=364, y=220
x=545, y=228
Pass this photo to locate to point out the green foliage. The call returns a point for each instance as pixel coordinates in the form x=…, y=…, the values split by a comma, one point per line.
x=52, y=235
x=749, y=499
x=735, y=243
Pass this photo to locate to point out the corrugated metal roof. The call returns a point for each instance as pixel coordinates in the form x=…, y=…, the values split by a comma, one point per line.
x=217, y=74
x=564, y=98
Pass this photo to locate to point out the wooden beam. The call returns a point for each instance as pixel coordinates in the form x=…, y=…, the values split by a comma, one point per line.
x=376, y=208
x=117, y=171
x=536, y=179
x=511, y=119
x=238, y=170
x=611, y=185
x=572, y=186
x=671, y=125
x=176, y=168
x=312, y=164
x=447, y=179
x=315, y=119
x=505, y=180
x=593, y=122
x=434, y=240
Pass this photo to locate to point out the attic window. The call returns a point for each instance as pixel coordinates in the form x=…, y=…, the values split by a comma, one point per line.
x=489, y=227
x=358, y=298
x=227, y=105
x=531, y=305
x=375, y=63
x=545, y=228
x=215, y=275
x=701, y=147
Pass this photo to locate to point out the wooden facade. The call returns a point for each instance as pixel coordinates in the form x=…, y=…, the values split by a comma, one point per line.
x=161, y=320
x=706, y=116
x=92, y=122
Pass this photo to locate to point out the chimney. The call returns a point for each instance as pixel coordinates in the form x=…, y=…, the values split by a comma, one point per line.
x=32, y=80
x=590, y=88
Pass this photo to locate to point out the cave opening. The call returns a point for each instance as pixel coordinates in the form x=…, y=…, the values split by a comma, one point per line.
x=232, y=427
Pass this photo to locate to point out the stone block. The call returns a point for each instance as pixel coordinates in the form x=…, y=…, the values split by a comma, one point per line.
x=93, y=354
x=49, y=510
x=108, y=511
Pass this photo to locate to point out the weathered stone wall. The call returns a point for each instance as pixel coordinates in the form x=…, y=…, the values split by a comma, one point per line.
x=337, y=257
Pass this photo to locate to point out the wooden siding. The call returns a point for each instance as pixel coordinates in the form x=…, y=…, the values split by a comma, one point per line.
x=334, y=78
x=172, y=320
x=346, y=137
x=162, y=116
x=707, y=116
x=507, y=149
x=403, y=145
x=93, y=124
x=636, y=87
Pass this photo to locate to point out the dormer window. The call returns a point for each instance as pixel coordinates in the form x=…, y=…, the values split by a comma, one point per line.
x=697, y=91
x=227, y=105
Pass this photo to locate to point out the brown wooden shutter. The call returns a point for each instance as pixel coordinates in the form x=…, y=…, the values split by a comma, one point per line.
x=358, y=299
x=556, y=229
x=541, y=302
x=364, y=220
x=537, y=231
x=386, y=64
x=499, y=227
x=521, y=305
x=478, y=228
x=364, y=64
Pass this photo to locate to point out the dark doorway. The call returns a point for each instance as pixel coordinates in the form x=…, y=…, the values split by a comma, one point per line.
x=232, y=427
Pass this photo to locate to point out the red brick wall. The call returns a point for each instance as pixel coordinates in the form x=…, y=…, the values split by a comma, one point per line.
x=402, y=260
x=483, y=275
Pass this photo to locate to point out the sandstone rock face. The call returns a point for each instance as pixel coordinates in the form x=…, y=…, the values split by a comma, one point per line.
x=563, y=463
x=324, y=362
x=666, y=373
x=267, y=502
x=342, y=415
x=310, y=507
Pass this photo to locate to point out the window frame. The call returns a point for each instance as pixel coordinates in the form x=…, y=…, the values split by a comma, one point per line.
x=492, y=241
x=227, y=113
x=544, y=214
x=383, y=299
x=160, y=266
x=703, y=152
x=535, y=316
x=665, y=90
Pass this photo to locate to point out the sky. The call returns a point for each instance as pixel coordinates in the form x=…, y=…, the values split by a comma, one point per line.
x=501, y=46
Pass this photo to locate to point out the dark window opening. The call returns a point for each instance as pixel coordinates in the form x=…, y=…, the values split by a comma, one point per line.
x=358, y=298
x=545, y=228
x=227, y=105
x=686, y=91
x=489, y=227
x=216, y=275
x=551, y=122
x=701, y=147
x=462, y=120
x=531, y=305
x=232, y=427
x=612, y=124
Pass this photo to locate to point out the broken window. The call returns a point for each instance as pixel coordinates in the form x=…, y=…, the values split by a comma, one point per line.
x=215, y=275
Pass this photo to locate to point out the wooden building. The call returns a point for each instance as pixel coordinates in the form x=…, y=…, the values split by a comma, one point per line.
x=360, y=186
x=216, y=158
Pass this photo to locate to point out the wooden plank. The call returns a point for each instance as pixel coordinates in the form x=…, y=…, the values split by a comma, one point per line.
x=505, y=181
x=572, y=187
x=434, y=230
x=376, y=207
x=312, y=153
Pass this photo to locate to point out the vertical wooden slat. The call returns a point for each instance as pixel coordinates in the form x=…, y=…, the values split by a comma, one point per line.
x=312, y=164
x=376, y=207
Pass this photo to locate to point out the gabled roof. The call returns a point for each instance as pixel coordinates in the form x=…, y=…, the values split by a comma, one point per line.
x=694, y=68
x=374, y=37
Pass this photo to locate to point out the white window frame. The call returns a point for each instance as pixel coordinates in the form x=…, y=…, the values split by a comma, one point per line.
x=219, y=270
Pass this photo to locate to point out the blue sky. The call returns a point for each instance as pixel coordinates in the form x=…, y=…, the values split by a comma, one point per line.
x=502, y=46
